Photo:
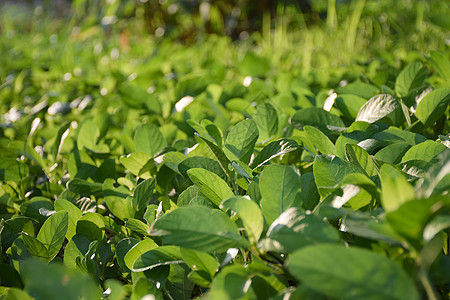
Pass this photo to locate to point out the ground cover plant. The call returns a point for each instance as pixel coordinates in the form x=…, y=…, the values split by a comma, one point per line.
x=307, y=161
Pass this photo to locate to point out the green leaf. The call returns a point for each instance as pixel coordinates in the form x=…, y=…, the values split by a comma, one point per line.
x=433, y=106
x=203, y=266
x=74, y=215
x=411, y=79
x=396, y=189
x=138, y=163
x=137, y=226
x=35, y=247
x=329, y=171
x=35, y=206
x=410, y=218
x=198, y=228
x=320, y=140
x=266, y=118
x=211, y=185
x=350, y=104
x=137, y=250
x=219, y=155
x=9, y=277
x=250, y=214
x=279, y=185
x=316, y=117
x=360, y=158
x=123, y=246
x=160, y=256
x=78, y=246
x=201, y=162
x=53, y=232
x=142, y=194
x=84, y=188
x=54, y=281
x=230, y=283
x=117, y=200
x=351, y=273
x=135, y=96
x=441, y=64
x=148, y=139
x=425, y=151
x=12, y=170
x=92, y=226
x=241, y=141
x=272, y=150
x=293, y=229
x=377, y=108
x=173, y=159
x=393, y=153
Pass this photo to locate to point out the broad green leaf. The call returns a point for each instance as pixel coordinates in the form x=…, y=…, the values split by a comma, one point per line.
x=35, y=208
x=203, y=266
x=293, y=229
x=123, y=246
x=329, y=171
x=266, y=117
x=231, y=283
x=209, y=135
x=160, y=256
x=88, y=135
x=148, y=139
x=137, y=250
x=211, y=185
x=309, y=194
x=396, y=189
x=351, y=273
x=356, y=133
x=395, y=135
x=411, y=79
x=425, y=151
x=53, y=232
x=279, y=186
x=433, y=106
x=84, y=188
x=92, y=226
x=198, y=228
x=137, y=226
x=35, y=247
x=12, y=170
x=44, y=281
x=219, y=155
x=9, y=277
x=117, y=200
x=142, y=194
x=201, y=162
x=78, y=246
x=441, y=64
x=393, y=153
x=410, y=218
x=173, y=159
x=250, y=214
x=138, y=163
x=241, y=141
x=242, y=169
x=272, y=150
x=320, y=140
x=74, y=214
x=377, y=108
x=360, y=158
x=358, y=88
x=350, y=104
x=436, y=225
x=316, y=117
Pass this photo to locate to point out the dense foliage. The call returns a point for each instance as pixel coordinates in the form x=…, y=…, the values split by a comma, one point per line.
x=299, y=162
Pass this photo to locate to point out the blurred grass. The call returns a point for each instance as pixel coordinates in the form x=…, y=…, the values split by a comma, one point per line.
x=334, y=39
